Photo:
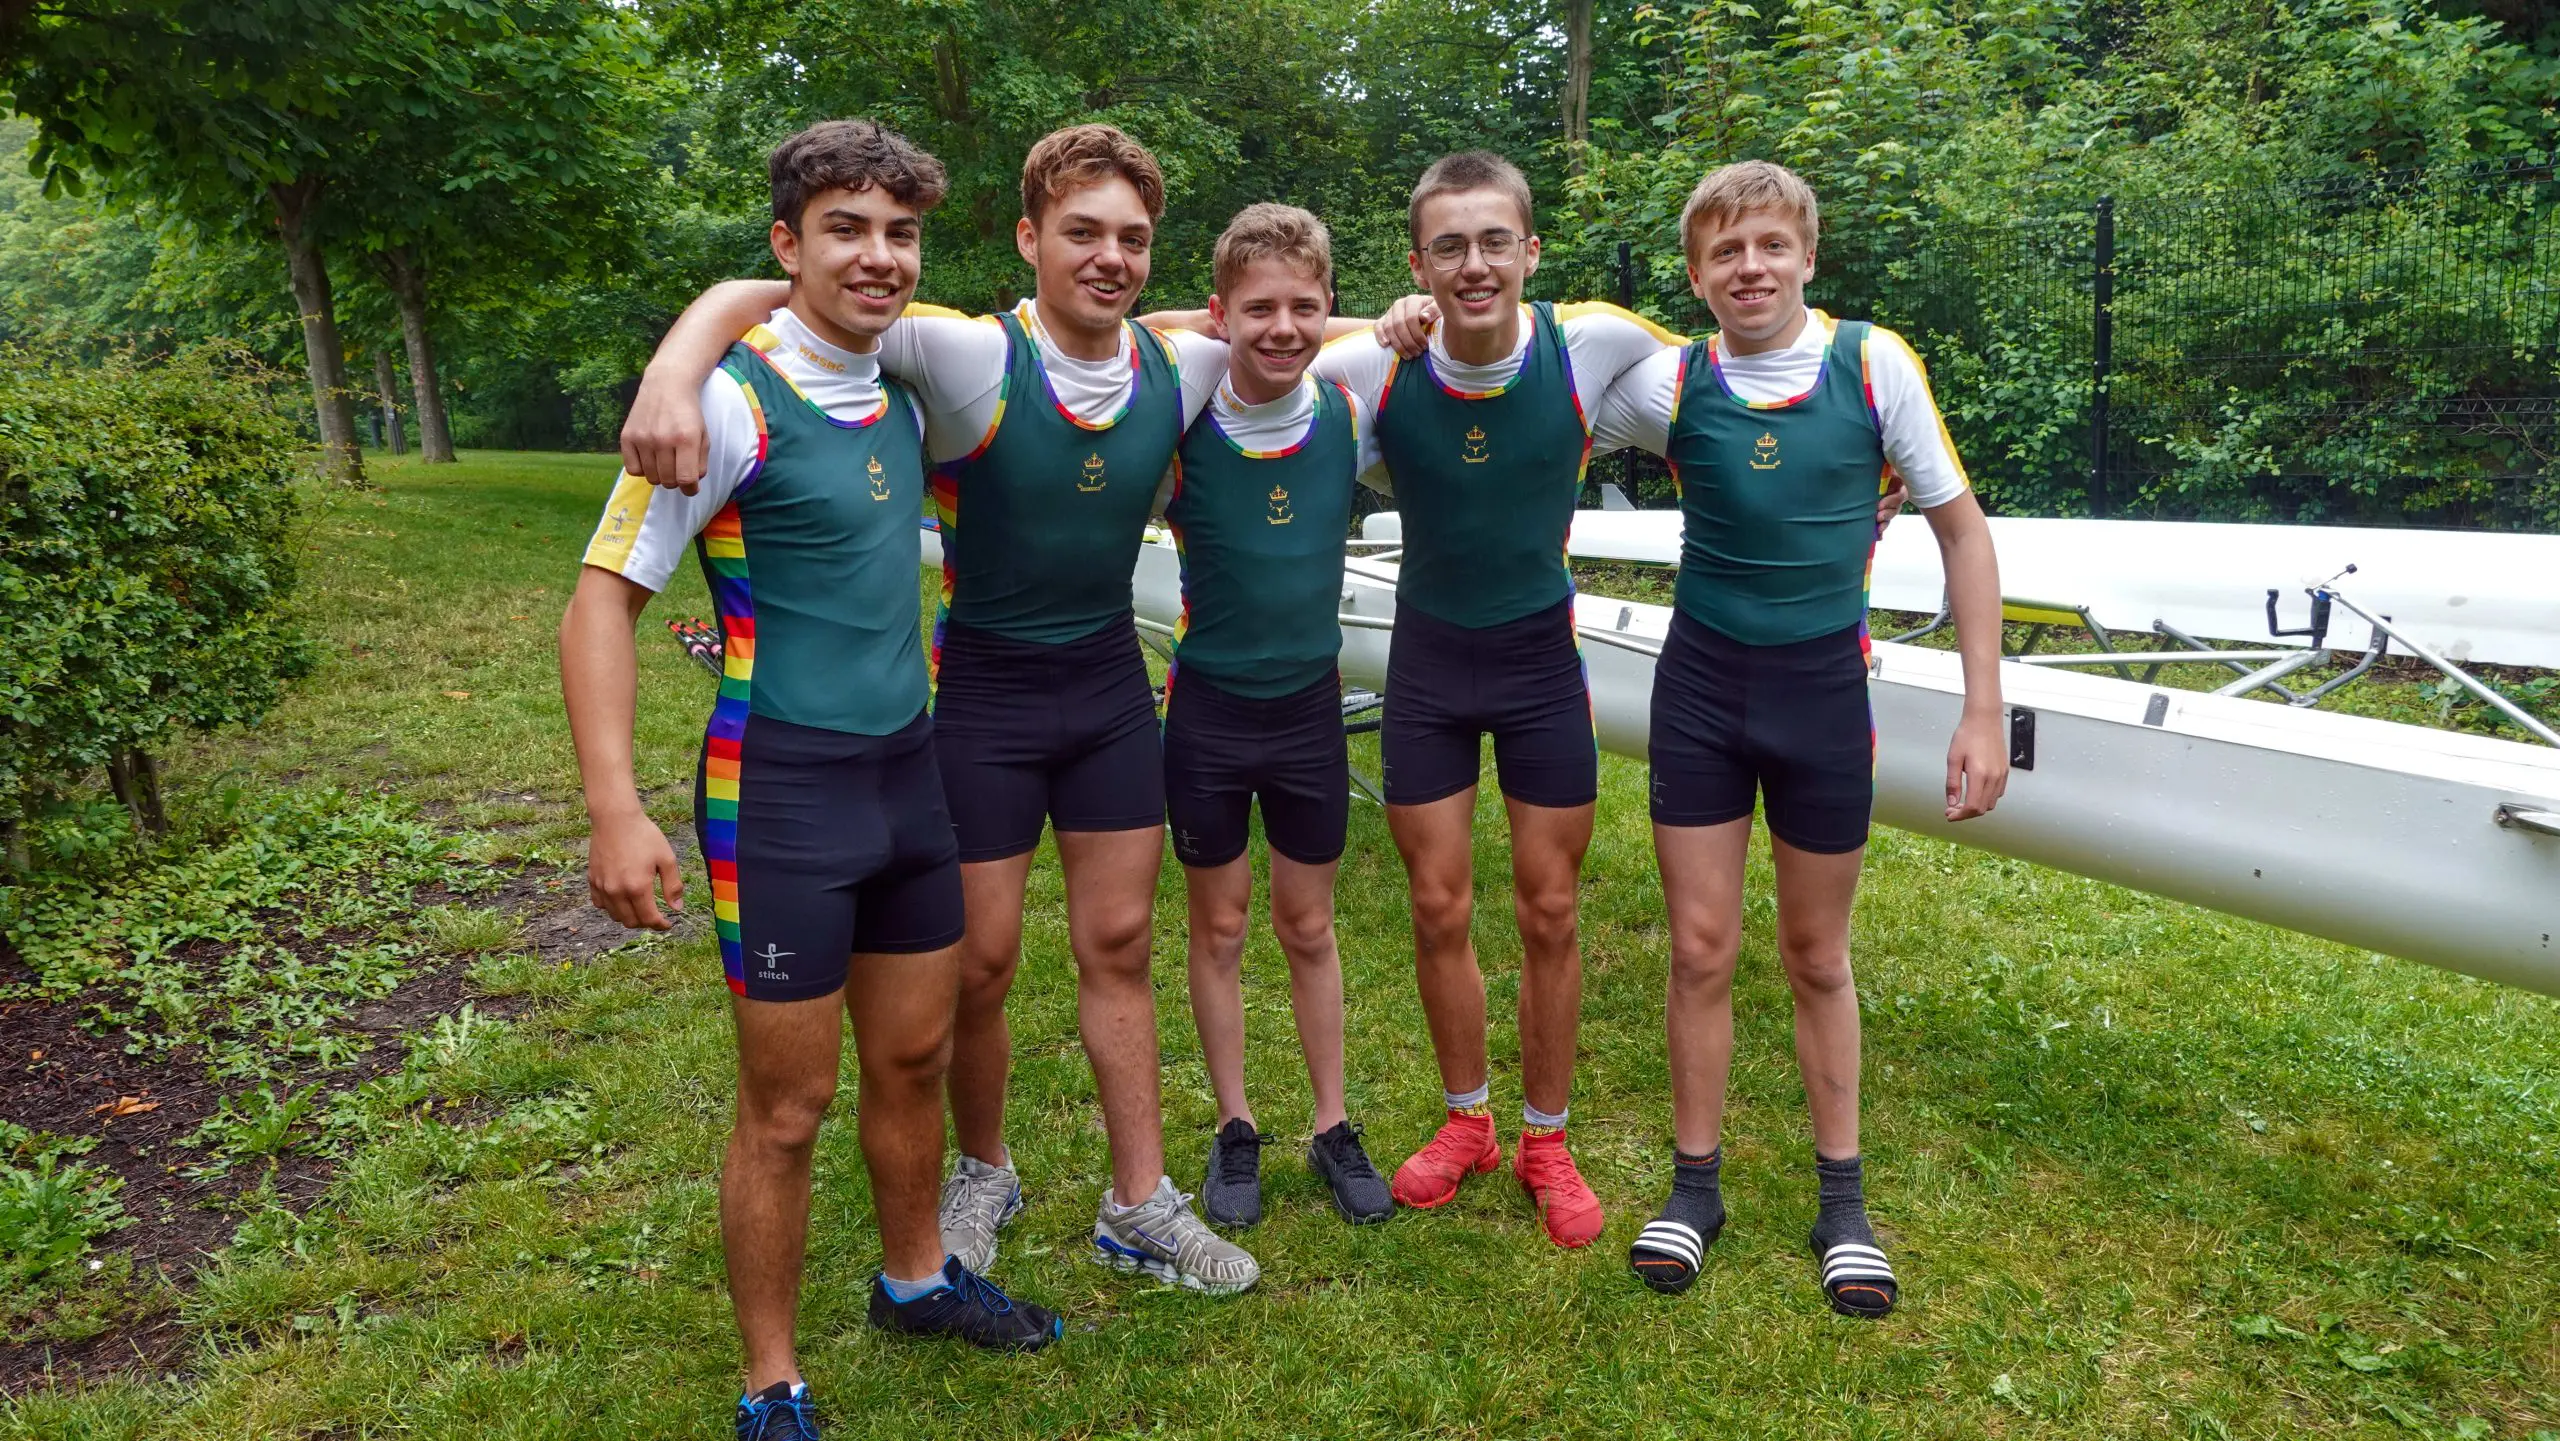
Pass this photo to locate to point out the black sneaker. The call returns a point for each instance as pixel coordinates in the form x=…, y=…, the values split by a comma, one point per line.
x=1358, y=1191
x=968, y=1306
x=779, y=1412
x=1231, y=1195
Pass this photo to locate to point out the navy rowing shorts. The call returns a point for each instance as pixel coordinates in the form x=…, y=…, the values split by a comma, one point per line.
x=1789, y=723
x=1522, y=681
x=1029, y=733
x=1223, y=752
x=840, y=847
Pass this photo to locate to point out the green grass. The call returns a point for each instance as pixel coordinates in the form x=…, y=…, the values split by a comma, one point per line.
x=2148, y=1171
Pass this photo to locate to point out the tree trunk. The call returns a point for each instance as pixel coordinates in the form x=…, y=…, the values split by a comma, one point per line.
x=326, y=358
x=408, y=272
x=386, y=388
x=135, y=778
x=1577, y=82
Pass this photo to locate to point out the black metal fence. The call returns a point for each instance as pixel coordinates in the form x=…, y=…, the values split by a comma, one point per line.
x=2380, y=351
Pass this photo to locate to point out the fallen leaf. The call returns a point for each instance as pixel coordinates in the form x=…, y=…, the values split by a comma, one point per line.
x=35, y=1055
x=124, y=1106
x=519, y=617
x=459, y=694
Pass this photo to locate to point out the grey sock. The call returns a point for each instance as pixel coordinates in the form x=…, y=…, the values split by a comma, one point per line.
x=1844, y=1204
x=1697, y=1193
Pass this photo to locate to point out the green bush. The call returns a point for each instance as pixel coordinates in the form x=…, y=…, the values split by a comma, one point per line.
x=146, y=555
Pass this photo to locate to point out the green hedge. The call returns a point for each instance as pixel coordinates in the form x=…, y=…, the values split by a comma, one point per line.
x=146, y=555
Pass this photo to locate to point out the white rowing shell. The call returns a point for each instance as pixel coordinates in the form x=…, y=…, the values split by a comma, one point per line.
x=2378, y=835
x=2475, y=596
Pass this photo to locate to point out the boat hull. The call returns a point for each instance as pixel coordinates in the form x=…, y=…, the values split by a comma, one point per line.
x=2377, y=835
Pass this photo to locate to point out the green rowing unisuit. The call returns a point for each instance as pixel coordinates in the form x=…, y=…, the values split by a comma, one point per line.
x=1261, y=539
x=1041, y=524
x=1486, y=484
x=1777, y=500
x=809, y=563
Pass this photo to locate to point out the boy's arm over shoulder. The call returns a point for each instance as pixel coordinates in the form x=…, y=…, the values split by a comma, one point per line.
x=1359, y=364
x=646, y=529
x=1199, y=362
x=1916, y=442
x=951, y=359
x=1605, y=340
x=1638, y=408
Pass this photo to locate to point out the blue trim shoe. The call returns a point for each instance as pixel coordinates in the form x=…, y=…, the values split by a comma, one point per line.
x=968, y=1306
x=779, y=1412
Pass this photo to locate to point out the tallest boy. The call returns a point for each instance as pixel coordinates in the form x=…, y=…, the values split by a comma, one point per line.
x=1049, y=428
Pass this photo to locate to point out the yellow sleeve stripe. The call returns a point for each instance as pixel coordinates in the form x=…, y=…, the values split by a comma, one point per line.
x=610, y=549
x=1928, y=393
x=1577, y=309
x=1368, y=333
x=919, y=310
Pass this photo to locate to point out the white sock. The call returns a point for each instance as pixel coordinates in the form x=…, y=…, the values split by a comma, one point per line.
x=1538, y=1120
x=1469, y=1100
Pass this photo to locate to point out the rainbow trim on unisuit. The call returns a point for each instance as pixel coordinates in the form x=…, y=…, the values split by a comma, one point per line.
x=1715, y=367
x=723, y=546
x=1315, y=418
x=764, y=342
x=1038, y=332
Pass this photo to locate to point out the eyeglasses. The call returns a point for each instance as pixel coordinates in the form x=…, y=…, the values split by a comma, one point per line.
x=1448, y=252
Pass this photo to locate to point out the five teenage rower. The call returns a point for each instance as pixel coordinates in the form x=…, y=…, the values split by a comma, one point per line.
x=1048, y=429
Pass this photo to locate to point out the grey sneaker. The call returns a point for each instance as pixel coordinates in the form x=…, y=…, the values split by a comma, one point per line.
x=1162, y=1238
x=1358, y=1192
x=976, y=1202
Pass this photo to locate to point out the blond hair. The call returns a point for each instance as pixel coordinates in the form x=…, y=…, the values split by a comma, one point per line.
x=1732, y=191
x=1273, y=232
x=1470, y=170
x=1082, y=155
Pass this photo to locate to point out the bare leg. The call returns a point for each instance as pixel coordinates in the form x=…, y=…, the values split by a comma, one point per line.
x=1220, y=899
x=787, y=1058
x=1111, y=892
x=901, y=1007
x=1815, y=893
x=1437, y=841
x=981, y=1042
x=1702, y=869
x=1302, y=916
x=1547, y=847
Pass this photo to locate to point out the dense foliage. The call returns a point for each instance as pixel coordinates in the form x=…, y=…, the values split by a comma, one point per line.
x=146, y=558
x=1960, y=148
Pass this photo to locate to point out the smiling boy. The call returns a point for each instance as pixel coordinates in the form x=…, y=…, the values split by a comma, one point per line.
x=1484, y=438
x=1260, y=505
x=836, y=887
x=1781, y=429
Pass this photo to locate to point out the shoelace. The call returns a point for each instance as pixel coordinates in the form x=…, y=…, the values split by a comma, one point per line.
x=983, y=1198
x=761, y=1414
x=1240, y=1163
x=977, y=1289
x=1349, y=1156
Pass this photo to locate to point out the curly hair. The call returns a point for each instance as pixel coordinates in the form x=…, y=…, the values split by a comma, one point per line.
x=852, y=155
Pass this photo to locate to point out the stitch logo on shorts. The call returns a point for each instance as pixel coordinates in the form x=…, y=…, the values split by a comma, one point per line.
x=772, y=955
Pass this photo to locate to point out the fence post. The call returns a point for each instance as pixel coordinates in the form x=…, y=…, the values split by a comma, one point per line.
x=2102, y=342
x=1627, y=301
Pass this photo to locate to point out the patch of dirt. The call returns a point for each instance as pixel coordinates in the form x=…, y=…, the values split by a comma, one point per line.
x=56, y=1076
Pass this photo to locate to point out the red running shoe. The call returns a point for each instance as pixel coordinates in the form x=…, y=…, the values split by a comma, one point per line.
x=1546, y=1172
x=1430, y=1177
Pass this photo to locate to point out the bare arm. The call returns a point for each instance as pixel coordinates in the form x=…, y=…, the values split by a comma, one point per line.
x=663, y=438
x=1978, y=757
x=627, y=856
